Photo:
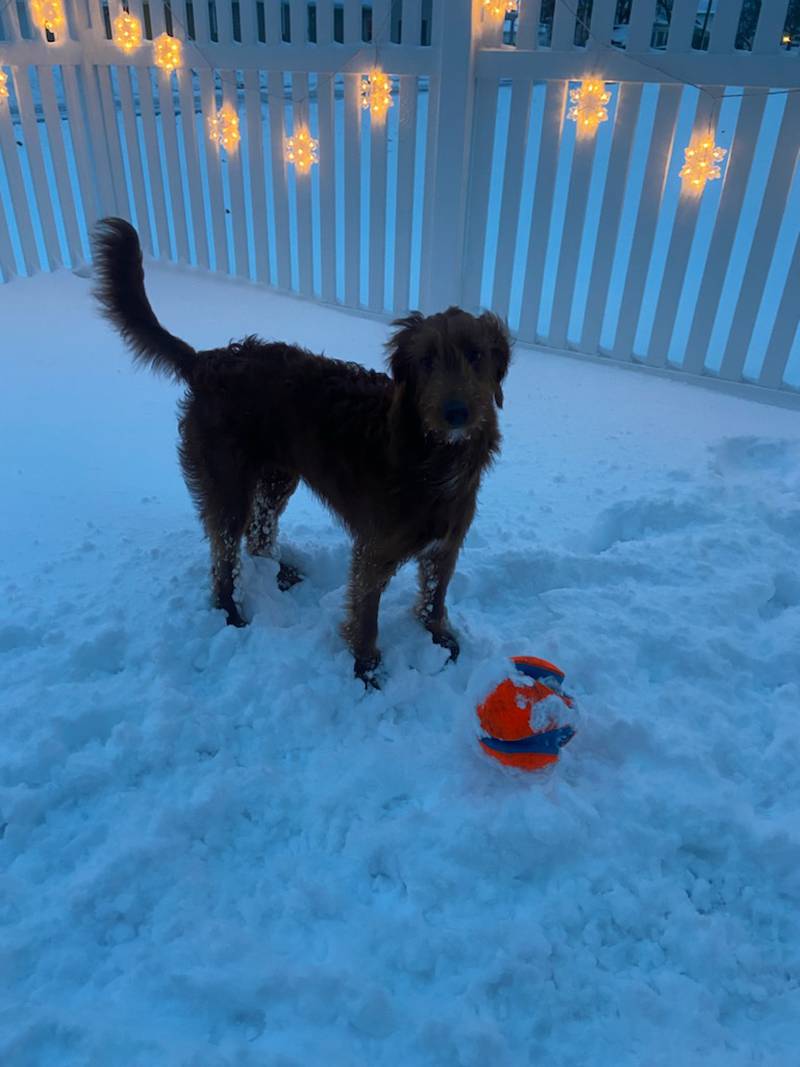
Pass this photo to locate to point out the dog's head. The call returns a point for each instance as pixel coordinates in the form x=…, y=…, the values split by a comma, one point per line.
x=451, y=366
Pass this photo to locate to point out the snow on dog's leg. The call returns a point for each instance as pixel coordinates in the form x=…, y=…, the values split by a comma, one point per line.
x=435, y=571
x=272, y=492
x=368, y=578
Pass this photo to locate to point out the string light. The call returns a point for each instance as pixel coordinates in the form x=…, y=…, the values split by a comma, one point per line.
x=376, y=93
x=3, y=85
x=127, y=32
x=589, y=105
x=302, y=150
x=48, y=15
x=167, y=52
x=498, y=9
x=703, y=158
x=224, y=128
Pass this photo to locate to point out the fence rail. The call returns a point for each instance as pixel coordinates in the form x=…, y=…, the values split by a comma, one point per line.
x=475, y=190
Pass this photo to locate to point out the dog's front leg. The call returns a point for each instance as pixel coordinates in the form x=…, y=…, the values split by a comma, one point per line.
x=435, y=571
x=369, y=576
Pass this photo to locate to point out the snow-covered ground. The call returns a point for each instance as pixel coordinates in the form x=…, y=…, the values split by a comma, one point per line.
x=218, y=850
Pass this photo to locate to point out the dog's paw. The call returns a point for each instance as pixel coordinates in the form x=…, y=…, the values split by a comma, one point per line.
x=233, y=618
x=366, y=669
x=288, y=576
x=448, y=641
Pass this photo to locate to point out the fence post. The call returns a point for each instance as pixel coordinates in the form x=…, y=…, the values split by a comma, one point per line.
x=450, y=125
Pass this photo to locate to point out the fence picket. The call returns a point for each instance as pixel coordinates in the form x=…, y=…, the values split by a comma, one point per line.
x=761, y=251
x=258, y=188
x=784, y=328
x=770, y=24
x=640, y=29
x=483, y=133
x=406, y=156
x=33, y=149
x=8, y=263
x=563, y=35
x=352, y=21
x=272, y=15
x=233, y=161
x=87, y=174
x=625, y=118
x=737, y=173
x=169, y=134
x=658, y=161
x=681, y=25
x=186, y=90
x=723, y=28
x=680, y=245
x=552, y=121
x=55, y=136
x=324, y=21
x=134, y=159
x=16, y=187
x=305, y=248
x=299, y=21
x=208, y=104
x=521, y=92
x=377, y=215
x=603, y=20
x=411, y=32
x=279, y=184
x=352, y=189
x=578, y=195
x=327, y=187
x=158, y=200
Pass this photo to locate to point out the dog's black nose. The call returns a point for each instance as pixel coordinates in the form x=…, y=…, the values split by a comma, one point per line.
x=455, y=413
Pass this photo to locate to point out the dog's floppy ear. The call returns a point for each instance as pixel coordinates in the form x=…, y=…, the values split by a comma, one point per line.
x=500, y=348
x=399, y=345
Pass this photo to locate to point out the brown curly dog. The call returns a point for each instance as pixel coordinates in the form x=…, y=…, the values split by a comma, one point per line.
x=399, y=459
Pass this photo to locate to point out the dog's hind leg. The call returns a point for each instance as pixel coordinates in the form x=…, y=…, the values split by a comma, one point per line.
x=271, y=495
x=222, y=486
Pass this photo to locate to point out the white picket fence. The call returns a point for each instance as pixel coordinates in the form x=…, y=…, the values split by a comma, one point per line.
x=474, y=191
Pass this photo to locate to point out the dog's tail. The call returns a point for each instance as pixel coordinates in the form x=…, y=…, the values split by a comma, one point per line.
x=120, y=291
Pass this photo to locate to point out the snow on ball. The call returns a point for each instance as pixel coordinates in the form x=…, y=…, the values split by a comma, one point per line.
x=525, y=718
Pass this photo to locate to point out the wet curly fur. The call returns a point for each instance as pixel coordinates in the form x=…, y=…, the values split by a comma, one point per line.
x=399, y=459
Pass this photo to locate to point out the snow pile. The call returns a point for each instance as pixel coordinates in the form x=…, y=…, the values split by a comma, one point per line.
x=218, y=850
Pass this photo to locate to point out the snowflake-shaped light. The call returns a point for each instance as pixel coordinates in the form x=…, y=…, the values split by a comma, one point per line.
x=127, y=32
x=498, y=9
x=376, y=93
x=167, y=52
x=302, y=150
x=224, y=128
x=702, y=164
x=589, y=105
x=48, y=15
x=3, y=85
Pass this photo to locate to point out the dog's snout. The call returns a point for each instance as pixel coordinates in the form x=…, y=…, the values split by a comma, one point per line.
x=456, y=413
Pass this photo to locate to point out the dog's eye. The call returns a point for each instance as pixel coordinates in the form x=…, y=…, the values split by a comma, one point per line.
x=472, y=355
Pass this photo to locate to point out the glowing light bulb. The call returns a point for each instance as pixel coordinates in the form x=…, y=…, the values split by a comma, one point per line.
x=376, y=94
x=127, y=32
x=48, y=15
x=588, y=108
x=302, y=150
x=167, y=53
x=224, y=128
x=498, y=9
x=702, y=160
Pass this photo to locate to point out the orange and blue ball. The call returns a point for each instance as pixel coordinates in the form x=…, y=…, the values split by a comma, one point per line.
x=515, y=731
